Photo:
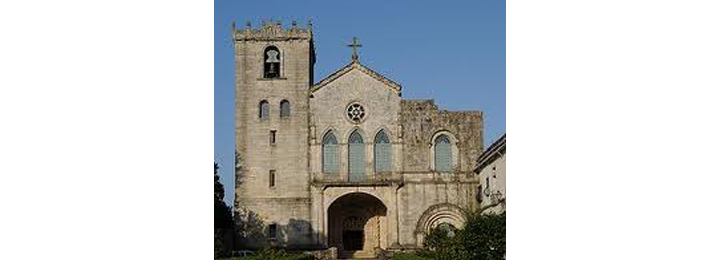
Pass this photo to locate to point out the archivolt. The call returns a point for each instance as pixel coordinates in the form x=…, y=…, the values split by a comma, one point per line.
x=438, y=214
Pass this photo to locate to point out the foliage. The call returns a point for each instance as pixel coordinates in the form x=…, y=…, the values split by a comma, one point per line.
x=223, y=219
x=483, y=238
x=274, y=254
x=439, y=237
x=223, y=213
x=411, y=256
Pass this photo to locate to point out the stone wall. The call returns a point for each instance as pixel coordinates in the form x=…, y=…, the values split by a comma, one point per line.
x=421, y=120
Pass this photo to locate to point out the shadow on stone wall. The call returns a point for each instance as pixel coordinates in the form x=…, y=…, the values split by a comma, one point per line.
x=251, y=232
x=297, y=234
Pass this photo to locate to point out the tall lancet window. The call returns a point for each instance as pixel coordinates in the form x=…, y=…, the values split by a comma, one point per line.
x=330, y=154
x=443, y=154
x=272, y=62
x=383, y=152
x=356, y=157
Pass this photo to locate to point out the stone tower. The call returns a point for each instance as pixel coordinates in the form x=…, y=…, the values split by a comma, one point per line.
x=273, y=74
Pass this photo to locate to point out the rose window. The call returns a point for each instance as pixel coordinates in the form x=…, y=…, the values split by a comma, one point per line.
x=356, y=112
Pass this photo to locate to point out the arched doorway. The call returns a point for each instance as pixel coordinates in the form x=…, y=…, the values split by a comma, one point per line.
x=357, y=224
x=444, y=215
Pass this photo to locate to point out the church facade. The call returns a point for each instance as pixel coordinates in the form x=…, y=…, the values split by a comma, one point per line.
x=344, y=161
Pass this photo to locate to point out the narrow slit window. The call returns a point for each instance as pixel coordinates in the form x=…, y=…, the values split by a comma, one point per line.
x=272, y=136
x=272, y=178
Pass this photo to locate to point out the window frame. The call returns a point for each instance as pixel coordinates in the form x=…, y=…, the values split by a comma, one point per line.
x=389, y=152
x=271, y=179
x=336, y=155
x=362, y=174
x=264, y=117
x=454, y=152
x=283, y=113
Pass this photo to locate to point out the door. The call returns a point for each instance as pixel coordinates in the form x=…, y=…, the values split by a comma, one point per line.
x=353, y=240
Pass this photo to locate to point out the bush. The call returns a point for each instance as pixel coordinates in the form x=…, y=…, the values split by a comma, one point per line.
x=439, y=237
x=411, y=256
x=483, y=238
x=274, y=254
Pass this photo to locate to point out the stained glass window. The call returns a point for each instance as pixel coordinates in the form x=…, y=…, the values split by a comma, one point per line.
x=330, y=154
x=382, y=152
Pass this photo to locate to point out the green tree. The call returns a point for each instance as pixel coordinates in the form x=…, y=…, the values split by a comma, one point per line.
x=223, y=219
x=223, y=213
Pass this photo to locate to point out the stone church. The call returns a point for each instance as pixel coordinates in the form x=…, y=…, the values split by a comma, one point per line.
x=343, y=161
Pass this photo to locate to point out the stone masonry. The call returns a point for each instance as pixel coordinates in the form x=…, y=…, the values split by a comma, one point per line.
x=281, y=190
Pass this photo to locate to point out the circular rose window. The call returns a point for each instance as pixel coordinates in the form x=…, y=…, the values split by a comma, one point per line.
x=355, y=112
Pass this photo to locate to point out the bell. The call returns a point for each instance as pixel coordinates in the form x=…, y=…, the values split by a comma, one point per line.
x=272, y=56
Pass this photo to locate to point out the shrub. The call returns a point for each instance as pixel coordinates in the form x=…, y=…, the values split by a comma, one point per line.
x=439, y=237
x=274, y=254
x=410, y=256
x=483, y=238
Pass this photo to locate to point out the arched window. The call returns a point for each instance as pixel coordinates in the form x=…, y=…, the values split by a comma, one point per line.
x=284, y=108
x=330, y=151
x=383, y=152
x=272, y=62
x=356, y=157
x=443, y=154
x=264, y=110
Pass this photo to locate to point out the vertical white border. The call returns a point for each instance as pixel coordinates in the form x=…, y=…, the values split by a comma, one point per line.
x=613, y=129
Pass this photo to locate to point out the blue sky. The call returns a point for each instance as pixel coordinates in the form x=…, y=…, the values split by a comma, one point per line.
x=449, y=51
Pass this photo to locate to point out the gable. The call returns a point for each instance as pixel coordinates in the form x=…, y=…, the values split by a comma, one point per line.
x=356, y=66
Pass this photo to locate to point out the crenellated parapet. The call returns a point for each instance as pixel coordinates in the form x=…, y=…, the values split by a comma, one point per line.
x=272, y=31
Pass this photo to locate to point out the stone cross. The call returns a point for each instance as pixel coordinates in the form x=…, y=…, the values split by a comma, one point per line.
x=355, y=45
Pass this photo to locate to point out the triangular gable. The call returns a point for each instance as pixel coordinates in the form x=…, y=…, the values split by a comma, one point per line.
x=356, y=65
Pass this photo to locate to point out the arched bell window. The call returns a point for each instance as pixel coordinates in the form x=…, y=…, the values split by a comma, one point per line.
x=356, y=157
x=443, y=154
x=330, y=154
x=382, y=152
x=272, y=62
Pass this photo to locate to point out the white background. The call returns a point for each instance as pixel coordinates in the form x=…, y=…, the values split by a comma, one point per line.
x=106, y=129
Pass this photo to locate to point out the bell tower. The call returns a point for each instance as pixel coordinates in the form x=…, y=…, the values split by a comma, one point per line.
x=273, y=75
